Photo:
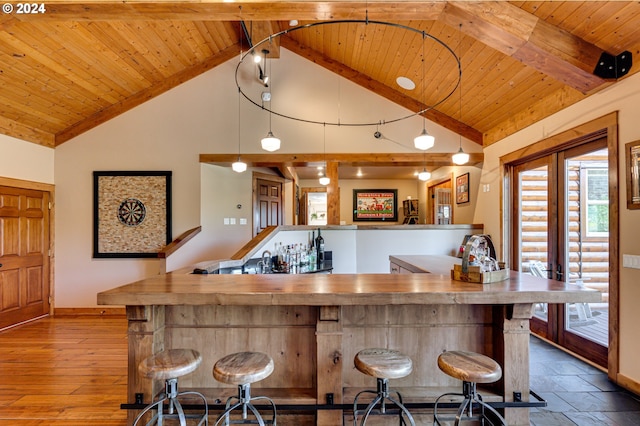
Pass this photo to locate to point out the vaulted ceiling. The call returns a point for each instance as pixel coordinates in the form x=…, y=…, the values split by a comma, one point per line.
x=75, y=65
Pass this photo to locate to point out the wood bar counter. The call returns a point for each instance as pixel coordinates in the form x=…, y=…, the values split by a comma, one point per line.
x=313, y=325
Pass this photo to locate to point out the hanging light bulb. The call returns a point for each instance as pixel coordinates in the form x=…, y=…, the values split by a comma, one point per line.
x=270, y=142
x=460, y=157
x=424, y=140
x=239, y=166
x=324, y=179
x=424, y=175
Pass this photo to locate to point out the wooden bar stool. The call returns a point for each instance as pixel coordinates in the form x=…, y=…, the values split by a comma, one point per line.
x=383, y=364
x=242, y=369
x=168, y=366
x=471, y=368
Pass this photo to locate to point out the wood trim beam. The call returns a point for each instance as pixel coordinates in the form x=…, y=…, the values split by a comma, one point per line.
x=521, y=35
x=382, y=90
x=218, y=10
x=345, y=159
x=141, y=97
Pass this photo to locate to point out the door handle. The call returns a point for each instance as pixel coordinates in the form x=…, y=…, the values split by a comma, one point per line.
x=559, y=273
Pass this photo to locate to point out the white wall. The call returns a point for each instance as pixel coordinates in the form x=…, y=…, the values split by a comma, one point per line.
x=25, y=161
x=625, y=98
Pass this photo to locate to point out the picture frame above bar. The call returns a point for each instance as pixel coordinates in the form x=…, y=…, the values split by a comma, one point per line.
x=131, y=213
x=375, y=205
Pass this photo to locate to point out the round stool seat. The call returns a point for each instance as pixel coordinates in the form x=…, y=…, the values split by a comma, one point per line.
x=383, y=363
x=243, y=367
x=170, y=364
x=469, y=366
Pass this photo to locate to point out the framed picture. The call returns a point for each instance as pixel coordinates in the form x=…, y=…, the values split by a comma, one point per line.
x=632, y=158
x=462, y=189
x=131, y=213
x=375, y=205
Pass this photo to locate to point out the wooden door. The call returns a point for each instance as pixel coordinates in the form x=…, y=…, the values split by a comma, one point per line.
x=269, y=205
x=24, y=255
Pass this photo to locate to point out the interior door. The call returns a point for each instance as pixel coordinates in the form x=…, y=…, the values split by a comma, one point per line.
x=268, y=209
x=24, y=255
x=561, y=232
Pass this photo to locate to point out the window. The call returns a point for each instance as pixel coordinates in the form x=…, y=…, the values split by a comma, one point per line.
x=594, y=201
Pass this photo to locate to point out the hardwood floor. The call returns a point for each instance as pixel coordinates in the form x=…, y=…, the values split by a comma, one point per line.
x=72, y=371
x=69, y=371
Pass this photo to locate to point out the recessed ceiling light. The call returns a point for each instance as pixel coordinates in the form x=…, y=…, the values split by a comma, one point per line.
x=293, y=22
x=405, y=83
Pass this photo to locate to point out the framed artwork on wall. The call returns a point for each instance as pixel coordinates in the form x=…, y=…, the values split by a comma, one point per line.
x=131, y=213
x=375, y=205
x=462, y=189
x=632, y=158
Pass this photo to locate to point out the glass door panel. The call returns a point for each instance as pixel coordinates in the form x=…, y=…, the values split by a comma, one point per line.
x=586, y=244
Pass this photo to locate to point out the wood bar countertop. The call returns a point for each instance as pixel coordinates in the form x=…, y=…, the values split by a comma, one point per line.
x=339, y=289
x=313, y=326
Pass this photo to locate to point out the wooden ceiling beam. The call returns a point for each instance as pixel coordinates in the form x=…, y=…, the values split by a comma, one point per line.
x=283, y=161
x=218, y=10
x=522, y=36
x=382, y=90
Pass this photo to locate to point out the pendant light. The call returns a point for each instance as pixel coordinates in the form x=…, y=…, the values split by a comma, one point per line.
x=324, y=179
x=424, y=140
x=460, y=157
x=239, y=166
x=424, y=175
x=270, y=142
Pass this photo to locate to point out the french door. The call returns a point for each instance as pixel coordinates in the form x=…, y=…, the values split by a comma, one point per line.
x=561, y=231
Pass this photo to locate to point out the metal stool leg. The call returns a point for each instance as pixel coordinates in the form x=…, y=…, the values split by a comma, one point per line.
x=471, y=396
x=382, y=395
x=175, y=409
x=244, y=402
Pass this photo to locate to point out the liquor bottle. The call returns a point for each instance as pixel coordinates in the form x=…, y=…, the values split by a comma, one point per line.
x=319, y=248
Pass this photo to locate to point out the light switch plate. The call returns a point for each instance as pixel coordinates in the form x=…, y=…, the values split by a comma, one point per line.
x=630, y=261
x=226, y=221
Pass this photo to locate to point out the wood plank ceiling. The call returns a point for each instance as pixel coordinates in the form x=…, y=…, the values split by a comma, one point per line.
x=80, y=64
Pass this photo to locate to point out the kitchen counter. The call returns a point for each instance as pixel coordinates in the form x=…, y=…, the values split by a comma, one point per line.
x=313, y=325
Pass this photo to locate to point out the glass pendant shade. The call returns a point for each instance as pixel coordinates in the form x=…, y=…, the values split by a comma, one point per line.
x=239, y=166
x=324, y=180
x=460, y=157
x=424, y=140
x=270, y=143
x=424, y=175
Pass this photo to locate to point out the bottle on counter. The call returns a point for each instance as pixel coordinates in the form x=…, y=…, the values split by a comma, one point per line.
x=319, y=248
x=311, y=255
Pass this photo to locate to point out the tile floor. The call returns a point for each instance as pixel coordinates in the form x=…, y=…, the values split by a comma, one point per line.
x=577, y=393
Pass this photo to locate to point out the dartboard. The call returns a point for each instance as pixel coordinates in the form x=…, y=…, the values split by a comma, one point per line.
x=132, y=212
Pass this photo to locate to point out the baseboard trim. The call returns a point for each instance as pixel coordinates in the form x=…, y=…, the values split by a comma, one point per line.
x=102, y=312
x=628, y=383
